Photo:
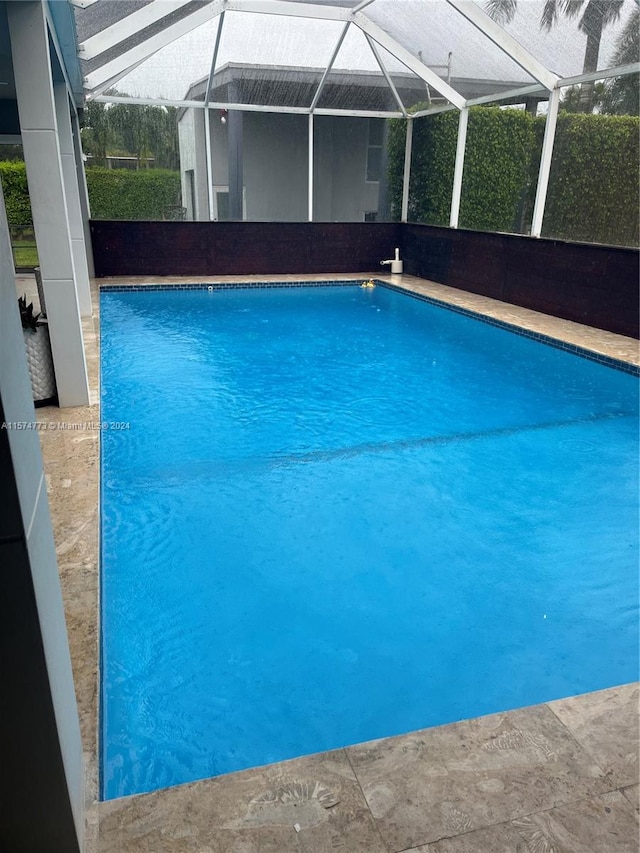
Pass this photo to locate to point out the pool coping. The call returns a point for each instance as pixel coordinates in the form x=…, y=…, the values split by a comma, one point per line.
x=116, y=825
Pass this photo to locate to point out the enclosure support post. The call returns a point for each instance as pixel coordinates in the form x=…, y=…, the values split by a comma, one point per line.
x=207, y=116
x=407, y=171
x=545, y=163
x=456, y=193
x=310, y=213
x=208, y=169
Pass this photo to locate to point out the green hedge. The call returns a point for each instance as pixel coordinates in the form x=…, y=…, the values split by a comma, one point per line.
x=497, y=160
x=113, y=193
x=128, y=194
x=593, y=187
x=13, y=177
x=496, y=168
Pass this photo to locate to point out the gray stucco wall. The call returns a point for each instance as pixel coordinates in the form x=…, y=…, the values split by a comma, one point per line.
x=275, y=150
x=193, y=157
x=275, y=166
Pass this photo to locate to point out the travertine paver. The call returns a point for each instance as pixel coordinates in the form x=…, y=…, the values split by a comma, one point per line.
x=632, y=793
x=449, y=780
x=311, y=805
x=608, y=726
x=602, y=824
x=524, y=761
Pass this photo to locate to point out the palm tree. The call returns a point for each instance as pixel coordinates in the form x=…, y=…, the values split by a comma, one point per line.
x=622, y=94
x=595, y=16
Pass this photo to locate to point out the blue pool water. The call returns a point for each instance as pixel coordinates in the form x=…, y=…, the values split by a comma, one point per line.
x=339, y=514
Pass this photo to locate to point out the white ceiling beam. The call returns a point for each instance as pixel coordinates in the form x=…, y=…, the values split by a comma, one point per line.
x=151, y=45
x=618, y=71
x=286, y=7
x=432, y=111
x=385, y=73
x=248, y=108
x=336, y=50
x=127, y=27
x=200, y=105
x=474, y=13
x=258, y=108
x=406, y=58
x=99, y=90
x=521, y=91
x=148, y=102
x=359, y=113
x=363, y=4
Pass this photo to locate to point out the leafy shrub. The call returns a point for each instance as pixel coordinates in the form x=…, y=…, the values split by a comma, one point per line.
x=496, y=168
x=593, y=185
x=497, y=158
x=129, y=194
x=113, y=193
x=13, y=177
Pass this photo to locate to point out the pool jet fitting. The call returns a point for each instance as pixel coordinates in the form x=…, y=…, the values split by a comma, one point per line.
x=396, y=263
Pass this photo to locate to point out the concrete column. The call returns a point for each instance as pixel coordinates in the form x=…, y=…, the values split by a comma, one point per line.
x=34, y=86
x=41, y=781
x=83, y=192
x=72, y=197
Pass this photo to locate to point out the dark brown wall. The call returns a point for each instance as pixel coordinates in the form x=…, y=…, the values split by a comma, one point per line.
x=240, y=248
x=595, y=285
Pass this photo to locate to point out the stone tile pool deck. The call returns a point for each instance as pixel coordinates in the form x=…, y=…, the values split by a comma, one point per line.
x=561, y=776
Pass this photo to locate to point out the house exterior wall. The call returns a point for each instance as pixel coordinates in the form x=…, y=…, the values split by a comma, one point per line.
x=275, y=168
x=351, y=195
x=193, y=158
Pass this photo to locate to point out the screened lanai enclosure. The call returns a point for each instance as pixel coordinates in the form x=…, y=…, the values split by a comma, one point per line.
x=494, y=144
x=495, y=115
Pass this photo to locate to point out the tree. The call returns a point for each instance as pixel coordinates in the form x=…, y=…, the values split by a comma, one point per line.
x=622, y=94
x=595, y=16
x=96, y=132
x=141, y=131
x=571, y=101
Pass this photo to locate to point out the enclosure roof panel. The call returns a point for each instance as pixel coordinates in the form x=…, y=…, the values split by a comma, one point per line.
x=156, y=49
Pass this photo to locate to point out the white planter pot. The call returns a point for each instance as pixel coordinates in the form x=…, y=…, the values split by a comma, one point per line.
x=40, y=363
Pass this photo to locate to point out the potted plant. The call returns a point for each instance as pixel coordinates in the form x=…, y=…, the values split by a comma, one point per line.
x=37, y=345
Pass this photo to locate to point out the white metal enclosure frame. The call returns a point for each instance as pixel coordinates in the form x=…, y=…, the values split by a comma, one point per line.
x=130, y=40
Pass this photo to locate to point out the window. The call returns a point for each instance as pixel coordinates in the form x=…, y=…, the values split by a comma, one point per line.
x=374, y=150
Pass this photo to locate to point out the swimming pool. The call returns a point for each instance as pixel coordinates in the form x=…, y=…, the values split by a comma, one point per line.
x=332, y=514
